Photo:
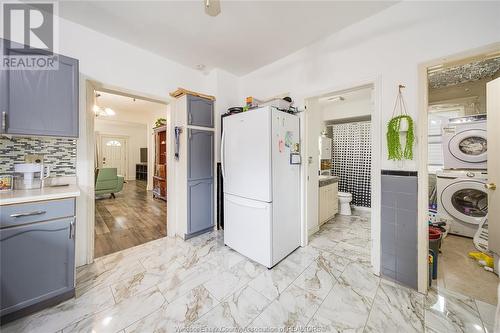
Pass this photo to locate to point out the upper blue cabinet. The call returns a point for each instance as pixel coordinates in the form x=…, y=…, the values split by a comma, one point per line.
x=39, y=102
x=200, y=111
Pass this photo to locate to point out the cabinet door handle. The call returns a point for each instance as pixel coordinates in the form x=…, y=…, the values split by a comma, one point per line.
x=36, y=212
x=190, y=118
x=4, y=121
x=72, y=229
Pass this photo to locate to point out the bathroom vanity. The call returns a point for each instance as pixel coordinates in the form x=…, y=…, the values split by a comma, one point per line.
x=328, y=198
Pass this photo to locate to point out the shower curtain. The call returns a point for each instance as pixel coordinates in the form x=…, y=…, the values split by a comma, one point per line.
x=351, y=159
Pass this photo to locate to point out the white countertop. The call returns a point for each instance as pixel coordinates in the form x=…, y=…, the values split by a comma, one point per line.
x=47, y=193
x=327, y=180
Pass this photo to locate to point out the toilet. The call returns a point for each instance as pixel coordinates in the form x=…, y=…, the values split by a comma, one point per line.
x=345, y=200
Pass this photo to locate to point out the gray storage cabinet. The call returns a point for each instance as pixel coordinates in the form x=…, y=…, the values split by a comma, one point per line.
x=200, y=111
x=200, y=187
x=40, y=102
x=37, y=245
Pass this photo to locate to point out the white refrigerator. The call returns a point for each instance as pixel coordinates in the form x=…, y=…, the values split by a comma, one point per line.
x=260, y=159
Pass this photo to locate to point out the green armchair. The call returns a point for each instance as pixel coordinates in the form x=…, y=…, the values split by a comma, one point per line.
x=107, y=181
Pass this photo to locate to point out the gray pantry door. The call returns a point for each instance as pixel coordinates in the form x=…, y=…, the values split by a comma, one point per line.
x=200, y=111
x=200, y=180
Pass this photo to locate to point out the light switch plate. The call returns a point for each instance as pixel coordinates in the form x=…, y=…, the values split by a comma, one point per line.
x=33, y=158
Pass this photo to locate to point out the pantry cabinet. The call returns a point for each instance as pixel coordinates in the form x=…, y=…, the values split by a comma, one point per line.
x=200, y=173
x=200, y=111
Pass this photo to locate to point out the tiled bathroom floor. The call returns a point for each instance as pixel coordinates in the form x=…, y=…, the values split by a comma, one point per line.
x=168, y=284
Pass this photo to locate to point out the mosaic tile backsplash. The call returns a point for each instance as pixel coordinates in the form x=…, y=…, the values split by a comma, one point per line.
x=59, y=153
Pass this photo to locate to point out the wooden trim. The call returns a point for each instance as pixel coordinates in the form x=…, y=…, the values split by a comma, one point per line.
x=181, y=92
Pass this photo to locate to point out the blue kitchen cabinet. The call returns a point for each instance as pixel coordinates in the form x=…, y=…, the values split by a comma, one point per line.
x=200, y=181
x=200, y=111
x=200, y=206
x=37, y=252
x=39, y=102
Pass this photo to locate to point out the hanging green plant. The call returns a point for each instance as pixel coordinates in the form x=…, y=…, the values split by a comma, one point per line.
x=396, y=152
x=399, y=115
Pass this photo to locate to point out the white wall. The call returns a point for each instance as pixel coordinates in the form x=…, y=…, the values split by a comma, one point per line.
x=346, y=109
x=137, y=135
x=389, y=45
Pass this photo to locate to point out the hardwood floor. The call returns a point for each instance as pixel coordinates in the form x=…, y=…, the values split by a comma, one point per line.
x=133, y=218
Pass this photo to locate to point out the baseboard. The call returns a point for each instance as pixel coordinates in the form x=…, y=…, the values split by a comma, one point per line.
x=365, y=209
x=194, y=234
x=312, y=231
x=37, y=307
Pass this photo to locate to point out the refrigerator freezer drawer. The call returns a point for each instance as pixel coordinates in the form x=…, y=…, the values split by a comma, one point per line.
x=247, y=228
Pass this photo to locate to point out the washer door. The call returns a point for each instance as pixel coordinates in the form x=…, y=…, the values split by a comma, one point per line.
x=469, y=146
x=466, y=201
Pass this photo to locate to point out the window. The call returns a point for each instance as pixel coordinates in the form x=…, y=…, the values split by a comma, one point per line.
x=113, y=143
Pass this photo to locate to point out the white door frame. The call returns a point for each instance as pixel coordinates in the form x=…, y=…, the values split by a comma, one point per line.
x=87, y=141
x=422, y=129
x=376, y=169
x=125, y=138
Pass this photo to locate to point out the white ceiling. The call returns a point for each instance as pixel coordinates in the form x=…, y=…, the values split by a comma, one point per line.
x=244, y=37
x=129, y=111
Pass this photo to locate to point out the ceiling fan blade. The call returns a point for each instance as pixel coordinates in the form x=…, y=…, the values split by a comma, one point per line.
x=212, y=7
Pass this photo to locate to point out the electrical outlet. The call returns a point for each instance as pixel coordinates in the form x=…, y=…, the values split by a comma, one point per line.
x=33, y=158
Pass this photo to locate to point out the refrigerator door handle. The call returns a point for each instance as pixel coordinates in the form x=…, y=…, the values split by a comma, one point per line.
x=222, y=155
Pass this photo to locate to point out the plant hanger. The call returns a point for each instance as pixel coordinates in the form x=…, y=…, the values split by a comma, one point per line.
x=394, y=129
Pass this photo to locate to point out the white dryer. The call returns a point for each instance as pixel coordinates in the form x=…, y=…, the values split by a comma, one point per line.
x=462, y=200
x=465, y=143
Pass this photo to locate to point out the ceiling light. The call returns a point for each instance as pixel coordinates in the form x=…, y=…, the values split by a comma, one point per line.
x=106, y=112
x=336, y=99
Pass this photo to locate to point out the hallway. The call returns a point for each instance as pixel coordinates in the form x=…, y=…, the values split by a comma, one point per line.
x=131, y=219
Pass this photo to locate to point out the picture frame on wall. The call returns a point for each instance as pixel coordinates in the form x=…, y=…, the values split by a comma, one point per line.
x=6, y=182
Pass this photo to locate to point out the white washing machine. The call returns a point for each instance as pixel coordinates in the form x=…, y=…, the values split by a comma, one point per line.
x=462, y=200
x=465, y=143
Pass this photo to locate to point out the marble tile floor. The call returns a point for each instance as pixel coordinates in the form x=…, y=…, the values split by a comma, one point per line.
x=170, y=284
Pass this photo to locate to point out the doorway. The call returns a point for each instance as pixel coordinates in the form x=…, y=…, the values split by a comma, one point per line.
x=128, y=212
x=114, y=153
x=340, y=141
x=463, y=232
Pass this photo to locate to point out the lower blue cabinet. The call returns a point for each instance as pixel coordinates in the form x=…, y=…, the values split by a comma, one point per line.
x=200, y=205
x=37, y=261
